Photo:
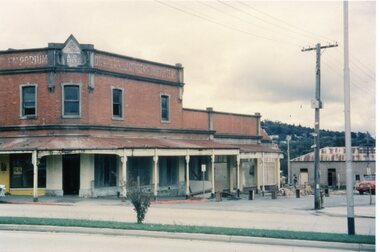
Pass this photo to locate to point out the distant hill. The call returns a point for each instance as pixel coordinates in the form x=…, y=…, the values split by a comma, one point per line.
x=302, y=140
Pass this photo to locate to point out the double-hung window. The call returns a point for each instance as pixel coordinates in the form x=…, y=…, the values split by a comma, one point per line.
x=28, y=101
x=117, y=103
x=164, y=108
x=71, y=100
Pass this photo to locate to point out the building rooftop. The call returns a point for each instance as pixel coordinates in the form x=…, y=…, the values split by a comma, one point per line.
x=336, y=154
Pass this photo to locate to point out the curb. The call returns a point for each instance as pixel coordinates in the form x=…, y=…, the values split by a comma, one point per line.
x=158, y=202
x=192, y=236
x=36, y=203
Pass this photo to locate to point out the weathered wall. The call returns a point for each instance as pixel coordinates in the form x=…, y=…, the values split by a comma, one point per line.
x=87, y=175
x=54, y=175
x=358, y=168
x=194, y=119
x=5, y=171
x=235, y=124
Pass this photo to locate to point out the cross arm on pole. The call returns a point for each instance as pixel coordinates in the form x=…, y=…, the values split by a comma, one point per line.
x=321, y=47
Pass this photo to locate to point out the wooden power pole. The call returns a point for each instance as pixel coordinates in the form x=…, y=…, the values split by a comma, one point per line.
x=317, y=105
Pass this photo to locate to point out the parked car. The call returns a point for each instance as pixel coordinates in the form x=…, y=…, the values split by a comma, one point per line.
x=367, y=185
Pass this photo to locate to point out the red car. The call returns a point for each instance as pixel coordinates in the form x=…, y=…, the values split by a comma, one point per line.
x=367, y=185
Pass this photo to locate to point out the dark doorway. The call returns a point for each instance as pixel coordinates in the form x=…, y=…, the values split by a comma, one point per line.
x=331, y=177
x=71, y=168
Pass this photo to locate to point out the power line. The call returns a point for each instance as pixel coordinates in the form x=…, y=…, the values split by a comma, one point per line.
x=355, y=74
x=360, y=65
x=312, y=35
x=218, y=23
x=331, y=68
x=246, y=21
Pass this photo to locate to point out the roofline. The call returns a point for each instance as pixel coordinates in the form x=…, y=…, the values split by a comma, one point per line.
x=11, y=50
x=88, y=47
x=223, y=113
x=136, y=59
x=99, y=127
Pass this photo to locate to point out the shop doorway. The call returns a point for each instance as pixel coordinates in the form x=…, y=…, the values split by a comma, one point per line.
x=71, y=174
x=331, y=177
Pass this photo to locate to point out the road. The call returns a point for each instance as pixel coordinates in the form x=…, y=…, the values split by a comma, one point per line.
x=282, y=214
x=44, y=241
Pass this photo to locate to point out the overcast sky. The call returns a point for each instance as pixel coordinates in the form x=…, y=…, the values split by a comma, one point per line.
x=241, y=57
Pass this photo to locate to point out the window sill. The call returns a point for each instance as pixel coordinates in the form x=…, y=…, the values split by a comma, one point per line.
x=165, y=122
x=29, y=117
x=71, y=117
x=118, y=118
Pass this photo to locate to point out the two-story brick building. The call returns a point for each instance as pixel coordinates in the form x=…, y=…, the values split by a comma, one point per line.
x=77, y=120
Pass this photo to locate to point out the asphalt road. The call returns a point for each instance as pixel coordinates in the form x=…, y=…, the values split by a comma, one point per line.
x=45, y=241
x=282, y=214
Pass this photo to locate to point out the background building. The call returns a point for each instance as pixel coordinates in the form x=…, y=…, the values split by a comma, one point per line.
x=333, y=166
x=76, y=120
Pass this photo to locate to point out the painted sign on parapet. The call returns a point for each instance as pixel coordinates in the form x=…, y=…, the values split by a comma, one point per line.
x=23, y=60
x=135, y=67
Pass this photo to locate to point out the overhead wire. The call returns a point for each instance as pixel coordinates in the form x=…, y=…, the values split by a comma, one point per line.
x=355, y=61
x=283, y=22
x=340, y=74
x=353, y=73
x=216, y=22
x=248, y=21
x=211, y=20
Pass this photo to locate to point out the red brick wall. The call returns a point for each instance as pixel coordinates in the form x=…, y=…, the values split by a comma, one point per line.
x=141, y=101
x=135, y=67
x=193, y=119
x=235, y=124
x=23, y=60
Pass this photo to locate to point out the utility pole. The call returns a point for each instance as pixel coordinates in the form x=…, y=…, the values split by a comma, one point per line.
x=288, y=138
x=317, y=105
x=347, y=119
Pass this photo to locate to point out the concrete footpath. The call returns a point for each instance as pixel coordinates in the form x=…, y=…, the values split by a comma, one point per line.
x=195, y=237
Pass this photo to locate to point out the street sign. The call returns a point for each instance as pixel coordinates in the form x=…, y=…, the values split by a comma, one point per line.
x=203, y=168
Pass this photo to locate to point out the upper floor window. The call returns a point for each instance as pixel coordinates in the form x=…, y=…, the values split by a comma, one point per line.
x=117, y=103
x=165, y=108
x=28, y=101
x=71, y=100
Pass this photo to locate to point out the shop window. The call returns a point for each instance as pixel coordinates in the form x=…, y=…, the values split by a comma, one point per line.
x=168, y=171
x=117, y=103
x=105, y=170
x=28, y=101
x=71, y=100
x=164, y=108
x=22, y=171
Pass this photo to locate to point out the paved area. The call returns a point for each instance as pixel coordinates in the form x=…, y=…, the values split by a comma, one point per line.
x=72, y=241
x=283, y=213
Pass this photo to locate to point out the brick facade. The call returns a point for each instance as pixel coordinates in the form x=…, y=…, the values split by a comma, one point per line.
x=188, y=138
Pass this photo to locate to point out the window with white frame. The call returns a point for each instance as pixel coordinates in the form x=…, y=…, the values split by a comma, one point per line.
x=164, y=108
x=117, y=103
x=28, y=101
x=71, y=100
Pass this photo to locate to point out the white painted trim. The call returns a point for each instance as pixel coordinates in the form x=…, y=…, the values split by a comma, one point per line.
x=122, y=104
x=35, y=98
x=63, y=99
x=169, y=116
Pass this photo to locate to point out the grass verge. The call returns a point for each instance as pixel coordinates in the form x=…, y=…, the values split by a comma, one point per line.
x=280, y=234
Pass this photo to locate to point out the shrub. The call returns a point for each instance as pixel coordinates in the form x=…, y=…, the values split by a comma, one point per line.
x=140, y=200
